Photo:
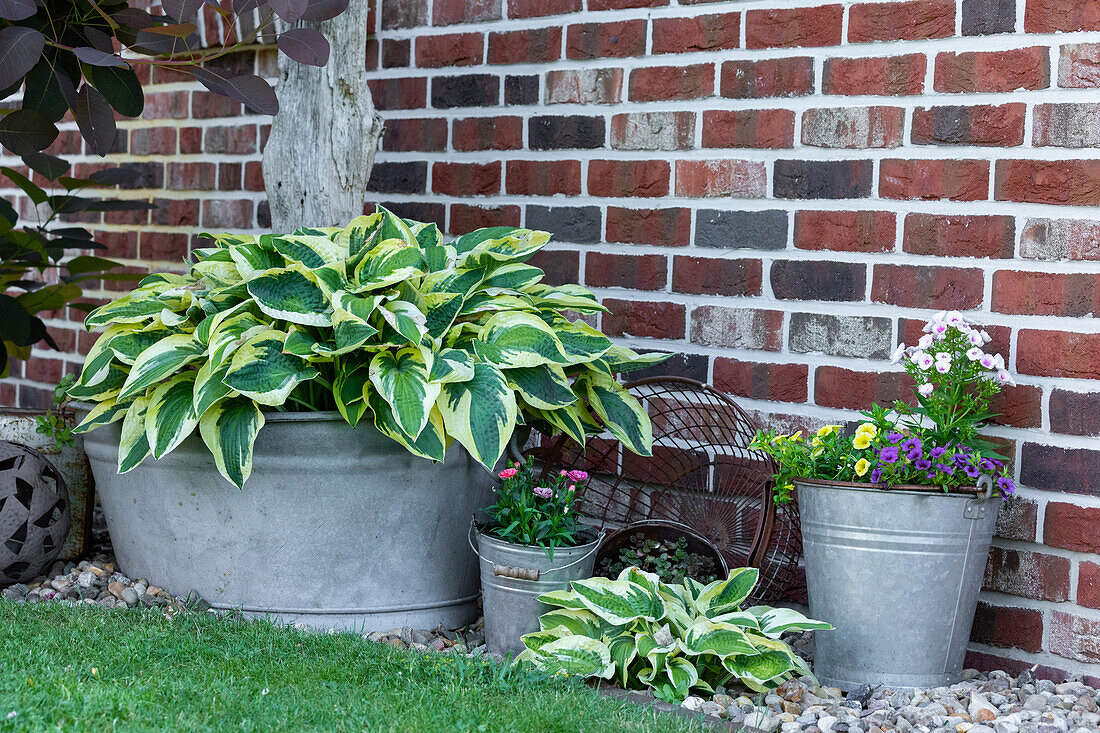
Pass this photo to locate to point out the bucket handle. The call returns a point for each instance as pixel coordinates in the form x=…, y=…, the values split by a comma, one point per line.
x=528, y=573
x=975, y=508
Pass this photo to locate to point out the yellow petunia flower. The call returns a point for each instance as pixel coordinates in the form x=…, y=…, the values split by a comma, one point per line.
x=796, y=437
x=828, y=430
x=868, y=428
x=861, y=441
x=816, y=452
x=862, y=466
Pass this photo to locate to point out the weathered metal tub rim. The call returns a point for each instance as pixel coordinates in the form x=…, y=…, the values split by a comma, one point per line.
x=957, y=492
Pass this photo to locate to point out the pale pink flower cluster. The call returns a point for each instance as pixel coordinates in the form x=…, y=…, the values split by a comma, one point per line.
x=938, y=329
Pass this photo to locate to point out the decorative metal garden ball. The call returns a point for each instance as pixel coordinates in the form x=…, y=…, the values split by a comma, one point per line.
x=34, y=513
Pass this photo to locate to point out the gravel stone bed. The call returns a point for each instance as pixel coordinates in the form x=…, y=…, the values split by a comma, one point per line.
x=983, y=702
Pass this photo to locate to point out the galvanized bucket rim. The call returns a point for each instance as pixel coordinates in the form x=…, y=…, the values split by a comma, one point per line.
x=269, y=417
x=482, y=535
x=911, y=489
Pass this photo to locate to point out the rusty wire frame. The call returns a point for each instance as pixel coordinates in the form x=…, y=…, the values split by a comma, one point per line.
x=701, y=474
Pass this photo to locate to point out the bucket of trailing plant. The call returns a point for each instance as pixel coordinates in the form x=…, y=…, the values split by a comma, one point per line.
x=532, y=542
x=671, y=550
x=299, y=424
x=897, y=518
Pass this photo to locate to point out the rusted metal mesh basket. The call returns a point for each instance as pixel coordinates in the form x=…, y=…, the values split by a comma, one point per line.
x=701, y=474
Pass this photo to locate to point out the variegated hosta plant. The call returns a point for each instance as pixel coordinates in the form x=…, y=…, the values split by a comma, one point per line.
x=674, y=639
x=433, y=341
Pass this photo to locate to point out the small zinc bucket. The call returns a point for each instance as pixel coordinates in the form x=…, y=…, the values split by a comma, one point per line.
x=512, y=579
x=897, y=573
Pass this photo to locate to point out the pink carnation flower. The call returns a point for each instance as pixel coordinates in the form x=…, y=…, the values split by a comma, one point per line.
x=507, y=473
x=544, y=492
x=578, y=475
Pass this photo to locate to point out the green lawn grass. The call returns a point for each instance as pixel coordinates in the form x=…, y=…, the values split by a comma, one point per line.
x=89, y=669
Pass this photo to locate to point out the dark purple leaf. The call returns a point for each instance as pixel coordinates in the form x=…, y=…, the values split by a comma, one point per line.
x=99, y=39
x=95, y=57
x=304, y=45
x=243, y=6
x=213, y=78
x=319, y=10
x=168, y=40
x=289, y=10
x=41, y=92
x=113, y=176
x=182, y=10
x=17, y=9
x=49, y=167
x=20, y=49
x=96, y=120
x=120, y=87
x=25, y=131
x=249, y=89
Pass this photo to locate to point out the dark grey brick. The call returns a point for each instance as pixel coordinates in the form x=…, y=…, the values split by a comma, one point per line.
x=854, y=336
x=822, y=179
x=734, y=229
x=577, y=224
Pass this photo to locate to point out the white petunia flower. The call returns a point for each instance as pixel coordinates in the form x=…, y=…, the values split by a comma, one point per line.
x=926, y=389
x=974, y=353
x=922, y=359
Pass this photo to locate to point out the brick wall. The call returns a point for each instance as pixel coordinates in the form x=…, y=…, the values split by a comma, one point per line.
x=776, y=191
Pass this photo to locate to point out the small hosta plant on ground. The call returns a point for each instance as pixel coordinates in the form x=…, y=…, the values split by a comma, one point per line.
x=381, y=320
x=640, y=632
x=669, y=559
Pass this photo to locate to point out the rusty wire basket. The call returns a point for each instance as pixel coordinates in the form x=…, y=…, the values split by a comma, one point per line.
x=701, y=474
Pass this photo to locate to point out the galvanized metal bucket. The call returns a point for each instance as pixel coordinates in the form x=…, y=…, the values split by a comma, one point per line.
x=897, y=572
x=512, y=579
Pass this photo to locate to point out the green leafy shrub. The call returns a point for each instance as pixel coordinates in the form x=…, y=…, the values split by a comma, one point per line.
x=673, y=639
x=668, y=559
x=437, y=342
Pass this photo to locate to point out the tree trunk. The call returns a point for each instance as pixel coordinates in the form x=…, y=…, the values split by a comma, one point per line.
x=319, y=156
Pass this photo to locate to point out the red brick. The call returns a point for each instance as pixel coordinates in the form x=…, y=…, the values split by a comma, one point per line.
x=163, y=246
x=227, y=213
x=785, y=77
x=643, y=319
x=1070, y=182
x=1074, y=637
x=1019, y=407
x=748, y=128
x=1058, y=239
x=992, y=71
x=633, y=178
x=882, y=75
x=1067, y=125
x=1073, y=295
x=901, y=21
x=852, y=390
x=844, y=231
x=1018, y=519
x=941, y=288
x=983, y=124
x=253, y=176
x=1053, y=16
x=205, y=105
x=559, y=265
x=737, y=328
x=407, y=134
x=584, y=86
x=698, y=33
x=399, y=93
x=176, y=212
x=449, y=49
x=794, y=27
x=1003, y=626
x=153, y=141
x=1074, y=413
x=637, y=272
x=190, y=140
x=533, y=8
x=486, y=133
x=661, y=227
x=853, y=127
x=959, y=235
x=1058, y=354
x=653, y=131
x=716, y=276
x=542, y=177
x=466, y=179
x=709, y=178
x=396, y=53
x=229, y=176
x=601, y=40
x=449, y=12
x=624, y=4
x=761, y=381
x=658, y=83
x=190, y=177
x=466, y=218
x=531, y=46
x=1072, y=527
x=1079, y=66
x=955, y=180
x=1088, y=584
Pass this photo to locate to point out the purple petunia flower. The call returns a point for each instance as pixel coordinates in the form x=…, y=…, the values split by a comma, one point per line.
x=986, y=464
x=923, y=464
x=876, y=475
x=937, y=453
x=894, y=437
x=931, y=475
x=945, y=468
x=914, y=454
x=960, y=459
x=972, y=471
x=889, y=454
x=1005, y=485
x=912, y=444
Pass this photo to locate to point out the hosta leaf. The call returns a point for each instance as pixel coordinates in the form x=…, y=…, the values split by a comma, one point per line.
x=406, y=319
x=360, y=233
x=619, y=410
x=545, y=387
x=352, y=375
x=564, y=297
x=100, y=356
x=104, y=413
x=402, y=380
x=721, y=639
x=231, y=329
x=432, y=441
x=774, y=622
x=171, y=414
x=451, y=365
x=566, y=420
x=624, y=650
x=726, y=596
x=252, y=258
x=480, y=413
x=210, y=387
x=427, y=235
x=537, y=639
x=229, y=429
x=514, y=275
x=581, y=342
x=490, y=302
x=621, y=360
x=292, y=294
x=140, y=305
x=619, y=601
x=300, y=343
x=133, y=444
x=759, y=667
x=579, y=622
x=439, y=257
x=127, y=347
x=311, y=251
x=259, y=369
x=681, y=672
x=563, y=599
x=392, y=226
x=515, y=246
x=110, y=386
x=441, y=311
x=350, y=319
x=460, y=281
x=217, y=273
x=578, y=656
x=160, y=360
x=514, y=339
x=389, y=262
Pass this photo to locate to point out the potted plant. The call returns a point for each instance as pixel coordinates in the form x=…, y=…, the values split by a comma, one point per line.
x=533, y=541
x=350, y=386
x=897, y=519
x=671, y=550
